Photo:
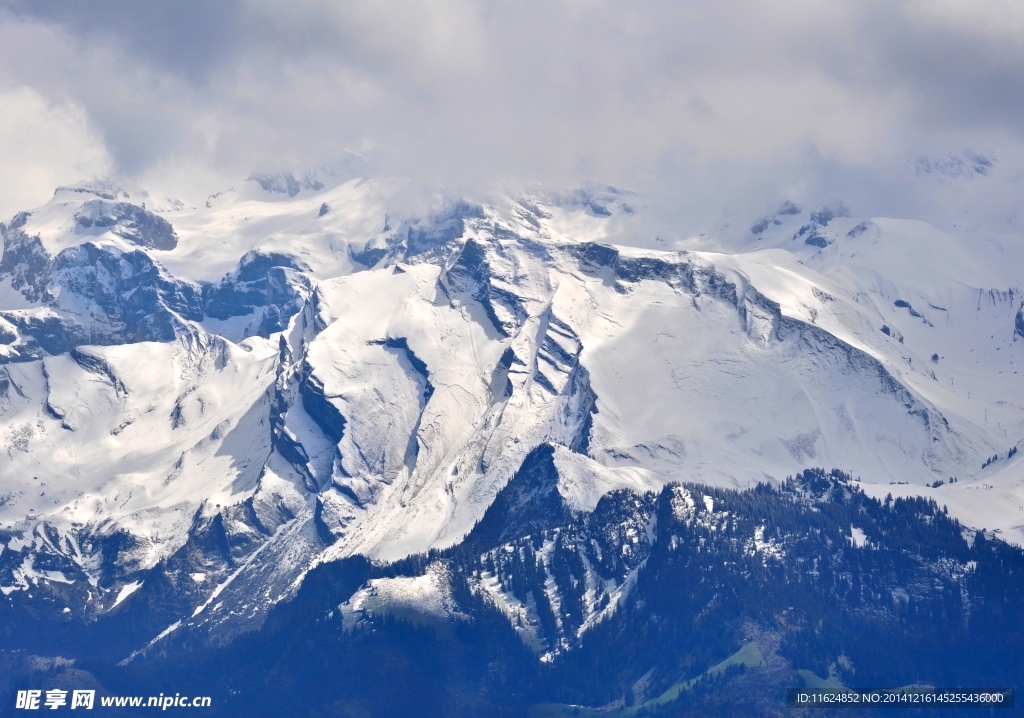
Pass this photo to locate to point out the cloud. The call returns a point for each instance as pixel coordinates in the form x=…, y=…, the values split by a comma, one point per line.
x=43, y=144
x=708, y=106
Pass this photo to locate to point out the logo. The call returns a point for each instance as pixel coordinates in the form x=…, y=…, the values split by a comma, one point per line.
x=56, y=698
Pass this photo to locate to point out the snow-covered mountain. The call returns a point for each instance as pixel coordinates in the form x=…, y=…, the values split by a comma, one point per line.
x=198, y=405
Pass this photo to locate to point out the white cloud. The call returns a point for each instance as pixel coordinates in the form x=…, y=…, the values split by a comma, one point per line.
x=43, y=144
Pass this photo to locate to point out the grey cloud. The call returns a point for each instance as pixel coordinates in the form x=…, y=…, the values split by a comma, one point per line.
x=955, y=73
x=191, y=37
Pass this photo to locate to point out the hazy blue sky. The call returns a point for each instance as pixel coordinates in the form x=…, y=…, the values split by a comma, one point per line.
x=710, y=108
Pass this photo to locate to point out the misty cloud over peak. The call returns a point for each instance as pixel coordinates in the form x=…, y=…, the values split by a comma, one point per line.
x=709, y=110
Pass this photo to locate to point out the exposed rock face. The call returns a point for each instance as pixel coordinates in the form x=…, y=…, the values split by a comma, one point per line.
x=129, y=222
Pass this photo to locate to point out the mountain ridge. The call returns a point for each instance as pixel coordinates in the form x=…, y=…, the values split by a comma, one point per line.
x=346, y=408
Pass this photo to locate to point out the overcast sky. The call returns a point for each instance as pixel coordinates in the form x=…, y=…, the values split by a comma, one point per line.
x=710, y=108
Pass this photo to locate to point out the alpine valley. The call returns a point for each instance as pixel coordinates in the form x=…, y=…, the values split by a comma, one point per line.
x=310, y=452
